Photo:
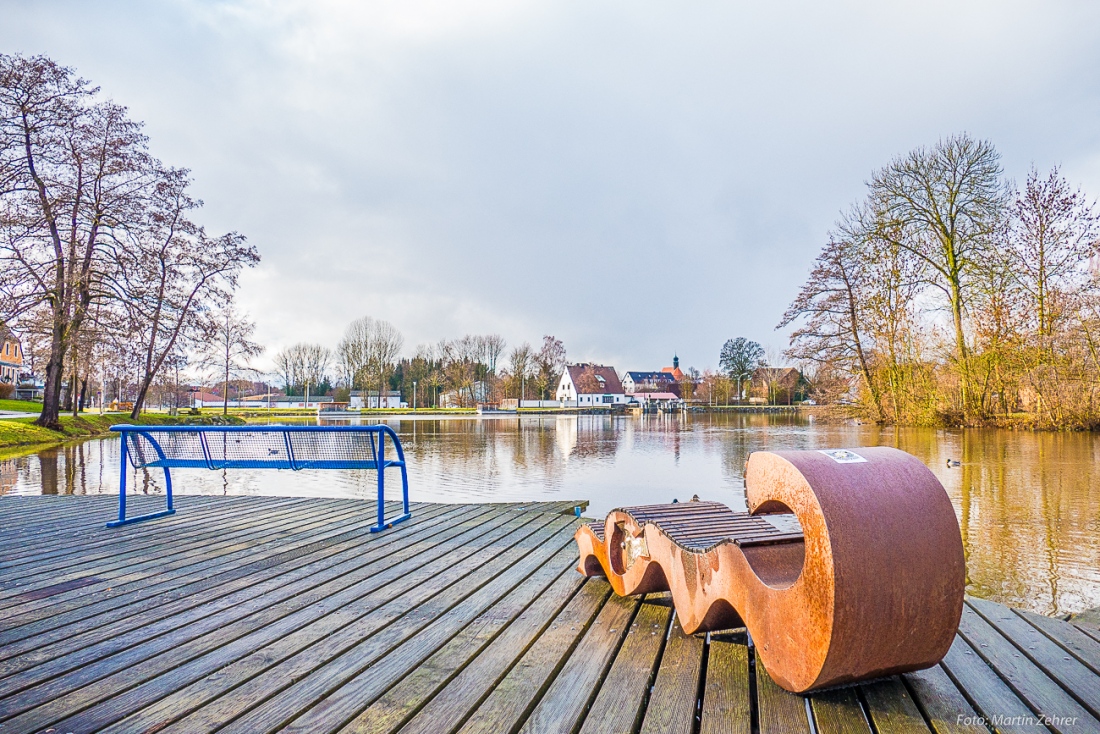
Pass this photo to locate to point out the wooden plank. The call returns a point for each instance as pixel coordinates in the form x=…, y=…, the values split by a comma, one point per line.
x=549, y=686
x=563, y=705
x=257, y=574
x=248, y=561
x=196, y=614
x=994, y=700
x=330, y=656
x=505, y=593
x=397, y=705
x=290, y=598
x=169, y=556
x=1069, y=637
x=779, y=711
x=673, y=704
x=839, y=712
x=533, y=646
x=944, y=706
x=1089, y=630
x=620, y=702
x=101, y=542
x=201, y=566
x=726, y=699
x=275, y=657
x=42, y=511
x=892, y=709
x=41, y=539
x=63, y=546
x=278, y=616
x=168, y=551
x=1073, y=676
x=104, y=543
x=1022, y=675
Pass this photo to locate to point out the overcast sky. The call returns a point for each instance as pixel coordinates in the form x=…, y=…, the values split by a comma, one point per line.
x=636, y=178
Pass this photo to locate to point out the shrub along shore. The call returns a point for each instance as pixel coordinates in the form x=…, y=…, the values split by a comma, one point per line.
x=21, y=435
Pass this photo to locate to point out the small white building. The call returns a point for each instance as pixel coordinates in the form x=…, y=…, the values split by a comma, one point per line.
x=369, y=399
x=589, y=385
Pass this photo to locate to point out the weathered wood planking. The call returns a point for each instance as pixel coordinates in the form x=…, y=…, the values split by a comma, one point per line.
x=253, y=614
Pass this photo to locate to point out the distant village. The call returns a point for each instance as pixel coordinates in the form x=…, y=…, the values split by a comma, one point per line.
x=583, y=385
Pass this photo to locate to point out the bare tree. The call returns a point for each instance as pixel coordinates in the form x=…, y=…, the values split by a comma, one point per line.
x=492, y=346
x=945, y=205
x=368, y=352
x=588, y=381
x=386, y=348
x=304, y=364
x=1056, y=233
x=71, y=169
x=170, y=273
x=519, y=367
x=549, y=364
x=353, y=351
x=831, y=315
x=230, y=346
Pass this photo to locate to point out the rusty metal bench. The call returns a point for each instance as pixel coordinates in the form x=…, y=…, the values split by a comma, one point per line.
x=872, y=585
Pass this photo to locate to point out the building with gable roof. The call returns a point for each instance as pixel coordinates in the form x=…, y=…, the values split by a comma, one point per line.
x=590, y=385
x=11, y=356
x=639, y=382
x=674, y=370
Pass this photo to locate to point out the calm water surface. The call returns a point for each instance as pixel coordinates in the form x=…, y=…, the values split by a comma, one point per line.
x=1028, y=503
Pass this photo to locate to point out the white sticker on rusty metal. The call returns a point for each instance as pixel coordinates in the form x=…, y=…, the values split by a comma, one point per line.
x=843, y=456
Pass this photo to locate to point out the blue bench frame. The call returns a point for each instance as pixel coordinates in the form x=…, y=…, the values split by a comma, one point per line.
x=377, y=462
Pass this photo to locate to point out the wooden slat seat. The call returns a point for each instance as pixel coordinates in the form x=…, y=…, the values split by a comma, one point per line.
x=700, y=526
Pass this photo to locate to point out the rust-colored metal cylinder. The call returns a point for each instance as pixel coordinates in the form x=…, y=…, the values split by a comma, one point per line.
x=874, y=586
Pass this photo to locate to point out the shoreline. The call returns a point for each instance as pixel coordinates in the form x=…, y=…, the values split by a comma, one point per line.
x=19, y=436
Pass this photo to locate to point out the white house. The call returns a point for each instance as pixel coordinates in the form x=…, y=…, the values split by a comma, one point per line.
x=588, y=385
x=635, y=382
x=369, y=399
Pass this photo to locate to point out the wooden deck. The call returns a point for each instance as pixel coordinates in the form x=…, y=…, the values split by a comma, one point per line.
x=247, y=614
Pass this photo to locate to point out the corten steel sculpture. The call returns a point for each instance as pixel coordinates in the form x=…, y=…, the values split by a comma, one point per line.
x=872, y=586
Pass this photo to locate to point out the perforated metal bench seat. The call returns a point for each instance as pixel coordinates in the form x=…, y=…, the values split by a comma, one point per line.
x=700, y=526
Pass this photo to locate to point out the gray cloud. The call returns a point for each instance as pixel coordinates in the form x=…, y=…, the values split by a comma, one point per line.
x=635, y=178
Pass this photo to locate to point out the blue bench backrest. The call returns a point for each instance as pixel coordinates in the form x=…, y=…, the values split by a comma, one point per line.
x=262, y=447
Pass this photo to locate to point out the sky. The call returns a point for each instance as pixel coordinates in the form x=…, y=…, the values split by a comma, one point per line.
x=636, y=178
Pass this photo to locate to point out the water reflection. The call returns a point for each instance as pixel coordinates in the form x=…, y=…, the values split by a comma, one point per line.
x=1028, y=503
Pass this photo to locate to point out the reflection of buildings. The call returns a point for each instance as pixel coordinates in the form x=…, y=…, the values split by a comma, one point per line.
x=9, y=475
x=587, y=436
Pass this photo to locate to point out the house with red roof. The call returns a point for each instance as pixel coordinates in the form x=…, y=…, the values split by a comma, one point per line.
x=589, y=385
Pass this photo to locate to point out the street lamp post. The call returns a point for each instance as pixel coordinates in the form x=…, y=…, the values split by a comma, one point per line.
x=414, y=395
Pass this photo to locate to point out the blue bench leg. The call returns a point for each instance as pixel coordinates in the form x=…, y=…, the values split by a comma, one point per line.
x=380, y=463
x=122, y=519
x=390, y=523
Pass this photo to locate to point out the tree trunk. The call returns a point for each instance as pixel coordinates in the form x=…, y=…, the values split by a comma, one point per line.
x=139, y=401
x=51, y=390
x=83, y=393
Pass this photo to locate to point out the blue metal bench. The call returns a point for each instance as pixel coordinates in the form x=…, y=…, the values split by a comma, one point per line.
x=259, y=447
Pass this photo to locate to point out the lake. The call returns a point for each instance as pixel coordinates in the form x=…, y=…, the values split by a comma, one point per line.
x=1028, y=503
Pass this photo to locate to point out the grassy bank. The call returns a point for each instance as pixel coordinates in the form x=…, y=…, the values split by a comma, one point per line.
x=21, y=406
x=20, y=435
